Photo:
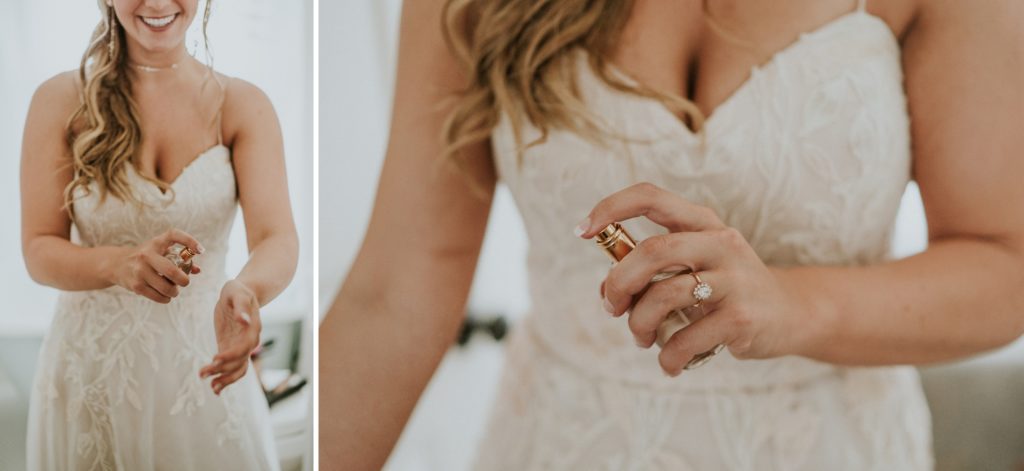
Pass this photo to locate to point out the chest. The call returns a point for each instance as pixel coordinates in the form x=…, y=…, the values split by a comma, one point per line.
x=178, y=124
x=704, y=51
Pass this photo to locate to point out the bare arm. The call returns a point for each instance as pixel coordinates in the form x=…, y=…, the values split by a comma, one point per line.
x=402, y=302
x=964, y=66
x=50, y=257
x=258, y=158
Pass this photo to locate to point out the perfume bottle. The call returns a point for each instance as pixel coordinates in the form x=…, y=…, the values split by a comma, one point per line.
x=617, y=243
x=182, y=257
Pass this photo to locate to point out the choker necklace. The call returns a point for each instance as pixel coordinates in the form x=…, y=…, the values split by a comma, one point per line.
x=148, y=68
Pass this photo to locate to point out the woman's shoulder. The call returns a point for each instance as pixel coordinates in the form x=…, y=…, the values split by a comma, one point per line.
x=62, y=91
x=55, y=101
x=245, y=107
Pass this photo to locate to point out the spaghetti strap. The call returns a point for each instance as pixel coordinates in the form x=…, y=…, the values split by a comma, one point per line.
x=220, y=111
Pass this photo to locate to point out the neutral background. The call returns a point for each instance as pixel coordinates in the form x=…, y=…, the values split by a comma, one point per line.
x=269, y=43
x=357, y=55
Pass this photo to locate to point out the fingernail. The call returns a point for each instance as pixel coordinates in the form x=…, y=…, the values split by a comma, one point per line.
x=582, y=227
x=638, y=342
x=245, y=317
x=608, y=306
x=200, y=249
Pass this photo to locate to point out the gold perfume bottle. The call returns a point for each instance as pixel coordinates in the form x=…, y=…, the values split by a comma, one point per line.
x=182, y=257
x=617, y=243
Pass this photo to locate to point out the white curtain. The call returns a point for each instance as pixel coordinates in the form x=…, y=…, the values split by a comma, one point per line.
x=269, y=43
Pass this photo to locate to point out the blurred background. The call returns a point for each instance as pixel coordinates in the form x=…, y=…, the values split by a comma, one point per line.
x=977, y=405
x=269, y=43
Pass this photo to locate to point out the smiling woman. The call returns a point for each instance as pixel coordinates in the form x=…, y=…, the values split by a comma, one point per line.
x=140, y=156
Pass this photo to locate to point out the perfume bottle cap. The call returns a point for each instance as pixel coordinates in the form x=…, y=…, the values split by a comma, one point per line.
x=615, y=241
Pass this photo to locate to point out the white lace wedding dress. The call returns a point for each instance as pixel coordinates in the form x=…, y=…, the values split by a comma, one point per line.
x=118, y=384
x=808, y=159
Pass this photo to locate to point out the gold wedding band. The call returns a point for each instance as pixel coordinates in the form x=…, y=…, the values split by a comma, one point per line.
x=702, y=292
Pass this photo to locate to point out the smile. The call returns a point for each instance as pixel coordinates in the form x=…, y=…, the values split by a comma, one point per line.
x=159, y=22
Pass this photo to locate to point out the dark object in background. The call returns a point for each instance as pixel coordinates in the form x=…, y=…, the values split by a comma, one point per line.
x=289, y=386
x=496, y=327
x=292, y=384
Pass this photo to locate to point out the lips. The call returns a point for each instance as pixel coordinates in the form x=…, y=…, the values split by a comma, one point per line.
x=160, y=22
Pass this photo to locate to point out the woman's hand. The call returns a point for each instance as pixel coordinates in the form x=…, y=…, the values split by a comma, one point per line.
x=237, y=321
x=751, y=310
x=144, y=270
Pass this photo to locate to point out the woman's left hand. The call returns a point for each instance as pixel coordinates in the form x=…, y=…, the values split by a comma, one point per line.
x=752, y=309
x=237, y=322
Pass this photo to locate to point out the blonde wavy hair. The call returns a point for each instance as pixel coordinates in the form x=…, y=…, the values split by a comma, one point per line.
x=518, y=56
x=103, y=133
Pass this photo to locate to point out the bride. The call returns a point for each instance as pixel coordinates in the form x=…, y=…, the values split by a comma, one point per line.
x=763, y=144
x=132, y=169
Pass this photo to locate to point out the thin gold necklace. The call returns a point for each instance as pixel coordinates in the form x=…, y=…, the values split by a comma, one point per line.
x=149, y=68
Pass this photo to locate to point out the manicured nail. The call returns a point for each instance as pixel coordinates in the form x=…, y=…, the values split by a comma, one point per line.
x=608, y=307
x=245, y=317
x=200, y=249
x=582, y=227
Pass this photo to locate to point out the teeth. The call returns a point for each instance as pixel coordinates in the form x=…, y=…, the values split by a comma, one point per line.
x=159, y=22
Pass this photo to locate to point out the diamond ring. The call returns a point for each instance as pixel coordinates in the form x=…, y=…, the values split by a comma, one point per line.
x=701, y=292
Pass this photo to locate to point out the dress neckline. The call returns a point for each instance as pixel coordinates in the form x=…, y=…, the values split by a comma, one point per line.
x=184, y=171
x=803, y=40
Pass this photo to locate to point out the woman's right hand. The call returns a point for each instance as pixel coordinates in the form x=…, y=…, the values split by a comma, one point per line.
x=144, y=270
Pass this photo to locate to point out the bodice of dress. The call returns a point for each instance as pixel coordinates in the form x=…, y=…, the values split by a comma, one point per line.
x=808, y=159
x=201, y=201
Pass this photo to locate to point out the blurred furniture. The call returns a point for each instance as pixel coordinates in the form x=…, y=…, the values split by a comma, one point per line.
x=978, y=411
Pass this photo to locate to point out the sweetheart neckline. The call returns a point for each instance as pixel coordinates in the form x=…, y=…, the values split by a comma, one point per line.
x=757, y=70
x=184, y=170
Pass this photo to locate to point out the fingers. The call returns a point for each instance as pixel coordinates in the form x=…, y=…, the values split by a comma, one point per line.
x=703, y=335
x=216, y=367
x=160, y=284
x=142, y=288
x=167, y=269
x=224, y=373
x=645, y=199
x=219, y=383
x=222, y=366
x=661, y=299
x=195, y=269
x=670, y=252
x=175, y=236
